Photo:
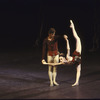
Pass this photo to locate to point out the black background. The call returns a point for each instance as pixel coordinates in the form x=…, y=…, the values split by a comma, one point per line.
x=22, y=22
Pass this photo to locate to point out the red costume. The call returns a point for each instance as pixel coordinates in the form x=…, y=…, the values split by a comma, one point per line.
x=76, y=57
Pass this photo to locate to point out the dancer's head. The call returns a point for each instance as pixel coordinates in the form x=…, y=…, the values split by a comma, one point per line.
x=61, y=57
x=51, y=32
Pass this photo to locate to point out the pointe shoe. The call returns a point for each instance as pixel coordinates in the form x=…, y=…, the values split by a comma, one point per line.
x=75, y=84
x=55, y=83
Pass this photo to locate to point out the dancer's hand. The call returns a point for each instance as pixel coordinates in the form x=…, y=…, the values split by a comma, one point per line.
x=62, y=63
x=71, y=24
x=65, y=37
x=44, y=62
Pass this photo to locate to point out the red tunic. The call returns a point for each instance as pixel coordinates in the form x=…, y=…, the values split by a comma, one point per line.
x=52, y=47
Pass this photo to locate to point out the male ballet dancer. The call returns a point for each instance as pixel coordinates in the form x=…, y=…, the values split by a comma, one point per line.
x=51, y=44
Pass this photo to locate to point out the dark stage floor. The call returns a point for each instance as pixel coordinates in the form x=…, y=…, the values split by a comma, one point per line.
x=22, y=76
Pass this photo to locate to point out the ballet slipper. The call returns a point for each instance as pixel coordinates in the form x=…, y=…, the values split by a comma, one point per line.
x=75, y=84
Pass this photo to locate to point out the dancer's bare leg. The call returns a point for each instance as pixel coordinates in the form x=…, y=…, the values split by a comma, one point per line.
x=77, y=75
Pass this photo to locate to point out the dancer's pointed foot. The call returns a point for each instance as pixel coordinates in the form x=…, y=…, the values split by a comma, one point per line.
x=55, y=83
x=75, y=84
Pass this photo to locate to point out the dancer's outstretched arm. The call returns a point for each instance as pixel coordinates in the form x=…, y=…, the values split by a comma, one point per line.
x=53, y=64
x=78, y=41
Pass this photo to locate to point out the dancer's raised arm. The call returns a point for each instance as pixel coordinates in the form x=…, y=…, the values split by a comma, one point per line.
x=68, y=57
x=67, y=46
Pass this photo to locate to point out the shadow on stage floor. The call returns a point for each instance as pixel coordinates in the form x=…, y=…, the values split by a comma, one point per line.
x=22, y=76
